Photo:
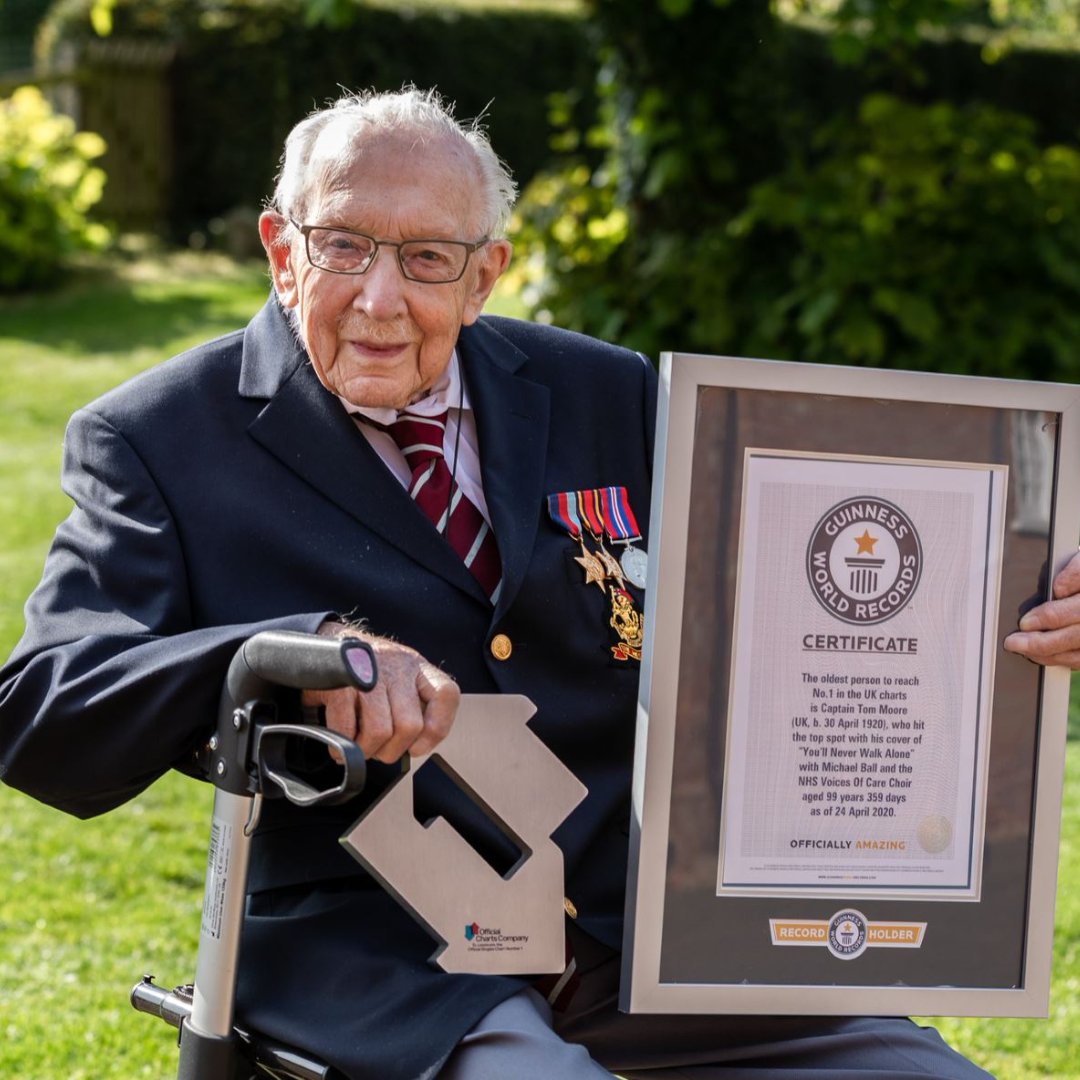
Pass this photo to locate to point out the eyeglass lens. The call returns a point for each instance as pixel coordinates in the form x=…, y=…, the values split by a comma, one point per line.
x=420, y=260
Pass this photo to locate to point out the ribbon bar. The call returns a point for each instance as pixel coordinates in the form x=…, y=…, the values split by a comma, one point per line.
x=618, y=517
x=563, y=510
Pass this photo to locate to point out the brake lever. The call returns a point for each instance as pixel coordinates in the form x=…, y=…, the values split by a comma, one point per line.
x=270, y=755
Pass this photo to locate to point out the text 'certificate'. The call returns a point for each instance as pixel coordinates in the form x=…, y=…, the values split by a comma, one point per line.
x=862, y=670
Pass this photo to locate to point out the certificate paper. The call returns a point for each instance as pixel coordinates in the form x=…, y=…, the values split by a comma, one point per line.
x=862, y=672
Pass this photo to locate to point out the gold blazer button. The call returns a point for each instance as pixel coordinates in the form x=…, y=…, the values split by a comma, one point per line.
x=569, y=908
x=501, y=647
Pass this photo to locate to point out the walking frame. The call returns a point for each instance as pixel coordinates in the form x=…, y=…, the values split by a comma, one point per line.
x=247, y=761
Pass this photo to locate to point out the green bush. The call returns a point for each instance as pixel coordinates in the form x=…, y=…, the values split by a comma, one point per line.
x=692, y=111
x=921, y=237
x=729, y=210
x=926, y=237
x=47, y=184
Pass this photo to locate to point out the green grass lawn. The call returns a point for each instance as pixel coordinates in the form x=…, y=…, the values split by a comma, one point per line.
x=87, y=907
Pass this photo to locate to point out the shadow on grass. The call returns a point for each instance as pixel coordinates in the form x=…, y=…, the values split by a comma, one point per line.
x=108, y=303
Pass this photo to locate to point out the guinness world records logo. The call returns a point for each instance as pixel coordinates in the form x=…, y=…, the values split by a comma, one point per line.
x=864, y=560
x=847, y=936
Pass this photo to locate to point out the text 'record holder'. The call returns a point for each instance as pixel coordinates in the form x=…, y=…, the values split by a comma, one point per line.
x=846, y=793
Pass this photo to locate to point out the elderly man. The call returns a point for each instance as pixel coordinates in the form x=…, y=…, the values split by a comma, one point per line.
x=269, y=479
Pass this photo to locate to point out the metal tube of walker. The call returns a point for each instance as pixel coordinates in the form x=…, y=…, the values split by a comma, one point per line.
x=207, y=1038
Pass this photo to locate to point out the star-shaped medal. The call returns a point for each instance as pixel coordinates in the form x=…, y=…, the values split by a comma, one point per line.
x=611, y=564
x=594, y=568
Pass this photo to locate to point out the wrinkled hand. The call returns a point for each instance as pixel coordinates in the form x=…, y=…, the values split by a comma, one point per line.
x=1050, y=633
x=410, y=710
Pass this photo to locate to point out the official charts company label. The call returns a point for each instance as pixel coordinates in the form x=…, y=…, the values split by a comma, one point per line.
x=848, y=934
x=864, y=560
x=492, y=939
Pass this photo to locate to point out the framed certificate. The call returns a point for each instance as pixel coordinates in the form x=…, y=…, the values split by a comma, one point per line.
x=846, y=793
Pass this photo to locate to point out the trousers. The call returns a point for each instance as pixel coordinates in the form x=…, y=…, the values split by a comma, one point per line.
x=522, y=1038
x=298, y=983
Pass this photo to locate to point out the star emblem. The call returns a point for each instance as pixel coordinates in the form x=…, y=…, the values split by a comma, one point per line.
x=866, y=543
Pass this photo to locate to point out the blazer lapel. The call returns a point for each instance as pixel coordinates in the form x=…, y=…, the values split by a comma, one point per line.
x=309, y=432
x=512, y=416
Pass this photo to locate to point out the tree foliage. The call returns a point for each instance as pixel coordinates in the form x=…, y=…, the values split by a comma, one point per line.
x=708, y=212
x=933, y=237
x=859, y=25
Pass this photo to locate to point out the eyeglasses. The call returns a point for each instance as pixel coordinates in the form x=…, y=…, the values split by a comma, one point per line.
x=342, y=251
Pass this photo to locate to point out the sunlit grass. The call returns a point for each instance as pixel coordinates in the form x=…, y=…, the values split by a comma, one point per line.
x=87, y=907
x=1026, y=1049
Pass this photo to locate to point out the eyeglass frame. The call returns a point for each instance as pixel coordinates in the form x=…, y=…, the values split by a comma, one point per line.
x=470, y=249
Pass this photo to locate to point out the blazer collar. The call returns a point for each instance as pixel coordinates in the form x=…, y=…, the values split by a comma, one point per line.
x=305, y=427
x=271, y=353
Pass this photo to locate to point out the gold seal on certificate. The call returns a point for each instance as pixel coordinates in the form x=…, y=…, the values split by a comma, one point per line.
x=935, y=834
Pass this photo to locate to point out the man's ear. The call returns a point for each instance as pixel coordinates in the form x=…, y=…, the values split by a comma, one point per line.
x=272, y=227
x=494, y=259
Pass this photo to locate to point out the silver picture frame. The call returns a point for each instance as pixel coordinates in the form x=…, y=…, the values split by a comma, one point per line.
x=690, y=945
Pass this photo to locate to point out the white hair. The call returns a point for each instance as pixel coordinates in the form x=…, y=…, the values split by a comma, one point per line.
x=413, y=111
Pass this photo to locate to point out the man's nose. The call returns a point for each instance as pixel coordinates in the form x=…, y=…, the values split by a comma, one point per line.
x=380, y=291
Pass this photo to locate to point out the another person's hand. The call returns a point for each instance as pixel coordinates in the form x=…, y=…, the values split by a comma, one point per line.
x=410, y=710
x=1050, y=633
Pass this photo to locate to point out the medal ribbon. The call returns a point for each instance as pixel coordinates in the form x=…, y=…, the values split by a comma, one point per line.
x=591, y=512
x=617, y=516
x=563, y=510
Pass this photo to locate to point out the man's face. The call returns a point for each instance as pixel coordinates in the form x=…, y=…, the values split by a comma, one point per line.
x=378, y=339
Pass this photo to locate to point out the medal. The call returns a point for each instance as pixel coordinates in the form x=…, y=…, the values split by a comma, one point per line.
x=622, y=527
x=593, y=567
x=563, y=508
x=599, y=511
x=635, y=565
x=591, y=514
x=612, y=565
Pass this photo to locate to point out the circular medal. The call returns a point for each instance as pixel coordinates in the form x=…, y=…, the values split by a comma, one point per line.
x=635, y=565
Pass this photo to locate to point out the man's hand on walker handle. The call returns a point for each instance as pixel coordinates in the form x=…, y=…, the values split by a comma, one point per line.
x=410, y=710
x=1050, y=633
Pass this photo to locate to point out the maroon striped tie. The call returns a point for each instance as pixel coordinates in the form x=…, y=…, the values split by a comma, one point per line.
x=457, y=518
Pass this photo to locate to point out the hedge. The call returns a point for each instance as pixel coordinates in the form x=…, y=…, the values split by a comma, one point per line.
x=738, y=209
x=246, y=70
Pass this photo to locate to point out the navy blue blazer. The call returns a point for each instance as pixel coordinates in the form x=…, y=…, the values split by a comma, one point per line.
x=226, y=491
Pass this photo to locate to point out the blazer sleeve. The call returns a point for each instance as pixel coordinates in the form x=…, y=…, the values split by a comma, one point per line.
x=111, y=684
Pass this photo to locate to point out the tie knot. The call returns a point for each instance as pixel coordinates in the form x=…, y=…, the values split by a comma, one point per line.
x=420, y=438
